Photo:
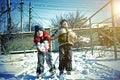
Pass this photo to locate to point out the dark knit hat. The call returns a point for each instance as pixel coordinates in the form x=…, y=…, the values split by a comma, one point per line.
x=37, y=28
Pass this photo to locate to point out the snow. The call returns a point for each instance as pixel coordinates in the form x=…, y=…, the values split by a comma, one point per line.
x=100, y=65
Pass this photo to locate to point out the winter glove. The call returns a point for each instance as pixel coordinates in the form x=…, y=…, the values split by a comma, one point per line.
x=41, y=47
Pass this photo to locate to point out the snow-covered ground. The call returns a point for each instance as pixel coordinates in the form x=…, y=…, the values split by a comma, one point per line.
x=85, y=66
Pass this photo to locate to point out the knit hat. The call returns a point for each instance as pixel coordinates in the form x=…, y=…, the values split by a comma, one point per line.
x=37, y=28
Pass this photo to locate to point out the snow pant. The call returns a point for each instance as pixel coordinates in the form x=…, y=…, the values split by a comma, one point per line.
x=41, y=60
x=65, y=58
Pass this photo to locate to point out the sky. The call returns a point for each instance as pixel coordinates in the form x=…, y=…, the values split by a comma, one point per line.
x=45, y=10
x=49, y=9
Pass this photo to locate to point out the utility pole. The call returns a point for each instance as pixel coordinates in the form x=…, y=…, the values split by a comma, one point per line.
x=21, y=15
x=30, y=16
x=21, y=24
x=9, y=17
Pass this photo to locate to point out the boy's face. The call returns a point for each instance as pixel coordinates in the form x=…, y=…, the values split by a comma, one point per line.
x=65, y=24
x=40, y=33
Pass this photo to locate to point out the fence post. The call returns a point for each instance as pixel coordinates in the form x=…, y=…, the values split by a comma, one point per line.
x=114, y=31
x=51, y=46
x=91, y=40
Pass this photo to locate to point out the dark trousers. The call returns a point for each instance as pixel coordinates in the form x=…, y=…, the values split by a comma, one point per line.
x=41, y=60
x=65, y=58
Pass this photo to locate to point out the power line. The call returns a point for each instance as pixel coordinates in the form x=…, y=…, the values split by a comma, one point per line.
x=65, y=6
x=58, y=6
x=68, y=3
x=38, y=15
x=82, y=8
x=33, y=18
x=42, y=17
x=59, y=9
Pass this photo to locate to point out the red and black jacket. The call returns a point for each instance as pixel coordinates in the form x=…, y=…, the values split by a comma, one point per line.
x=42, y=39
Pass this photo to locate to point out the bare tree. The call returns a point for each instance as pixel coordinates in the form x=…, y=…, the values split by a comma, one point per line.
x=55, y=22
x=74, y=19
x=3, y=10
x=27, y=28
x=14, y=27
x=3, y=15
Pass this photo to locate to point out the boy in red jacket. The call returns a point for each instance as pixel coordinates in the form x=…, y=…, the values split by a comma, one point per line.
x=42, y=42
